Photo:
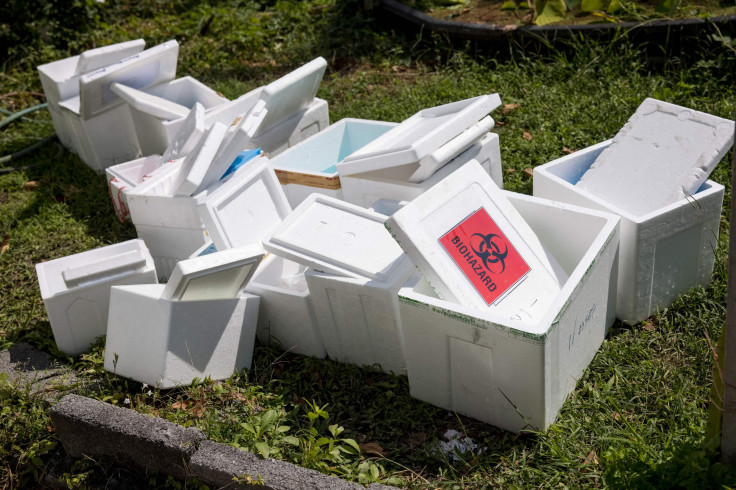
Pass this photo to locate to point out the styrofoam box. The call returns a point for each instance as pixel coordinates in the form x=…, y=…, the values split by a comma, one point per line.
x=154, y=135
x=663, y=253
x=461, y=358
x=393, y=183
x=311, y=166
x=125, y=177
x=60, y=79
x=198, y=325
x=357, y=269
x=76, y=290
x=285, y=316
x=168, y=224
x=102, y=125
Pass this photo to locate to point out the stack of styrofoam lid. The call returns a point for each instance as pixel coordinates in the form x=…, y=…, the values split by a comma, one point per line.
x=427, y=140
x=218, y=275
x=277, y=101
x=663, y=154
x=145, y=69
x=335, y=237
x=244, y=208
x=475, y=249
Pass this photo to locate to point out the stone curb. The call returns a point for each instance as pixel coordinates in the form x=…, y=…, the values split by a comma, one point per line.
x=94, y=428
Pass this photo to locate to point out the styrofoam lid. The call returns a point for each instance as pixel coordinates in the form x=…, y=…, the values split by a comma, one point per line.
x=147, y=68
x=219, y=275
x=245, y=208
x=277, y=101
x=196, y=170
x=663, y=154
x=474, y=248
x=420, y=135
x=188, y=135
x=330, y=235
x=150, y=104
x=93, y=59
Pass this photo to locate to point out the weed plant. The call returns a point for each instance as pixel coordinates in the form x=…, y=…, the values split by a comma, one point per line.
x=637, y=417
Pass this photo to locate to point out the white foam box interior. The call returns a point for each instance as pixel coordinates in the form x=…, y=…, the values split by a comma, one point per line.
x=663, y=253
x=356, y=271
x=199, y=324
x=663, y=154
x=76, y=290
x=244, y=208
x=285, y=315
x=460, y=358
x=475, y=248
x=156, y=133
x=364, y=189
x=311, y=166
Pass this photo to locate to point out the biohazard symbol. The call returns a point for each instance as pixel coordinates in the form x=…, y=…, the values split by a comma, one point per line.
x=488, y=249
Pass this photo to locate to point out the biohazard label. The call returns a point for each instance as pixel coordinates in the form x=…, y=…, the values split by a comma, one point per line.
x=485, y=255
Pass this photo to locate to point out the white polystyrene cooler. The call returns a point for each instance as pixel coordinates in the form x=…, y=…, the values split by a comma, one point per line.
x=200, y=324
x=101, y=123
x=125, y=177
x=285, y=316
x=663, y=253
x=76, y=290
x=60, y=80
x=356, y=271
x=418, y=153
x=393, y=183
x=152, y=108
x=467, y=360
x=310, y=166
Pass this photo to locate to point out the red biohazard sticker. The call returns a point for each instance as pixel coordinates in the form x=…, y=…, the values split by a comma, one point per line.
x=485, y=255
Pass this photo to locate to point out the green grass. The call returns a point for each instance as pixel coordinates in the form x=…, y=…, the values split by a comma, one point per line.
x=637, y=417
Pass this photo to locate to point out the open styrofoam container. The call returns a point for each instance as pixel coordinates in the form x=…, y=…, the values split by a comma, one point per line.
x=60, y=79
x=475, y=248
x=465, y=359
x=244, y=208
x=168, y=224
x=427, y=140
x=76, y=290
x=393, y=183
x=200, y=324
x=151, y=108
x=125, y=177
x=663, y=253
x=285, y=316
x=356, y=269
x=101, y=123
x=310, y=166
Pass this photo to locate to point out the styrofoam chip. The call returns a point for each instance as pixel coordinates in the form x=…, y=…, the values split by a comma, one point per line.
x=475, y=249
x=663, y=154
x=420, y=135
x=148, y=103
x=330, y=235
x=196, y=172
x=219, y=275
x=93, y=59
x=150, y=67
x=188, y=135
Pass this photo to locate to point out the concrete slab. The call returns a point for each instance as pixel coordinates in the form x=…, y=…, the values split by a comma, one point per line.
x=41, y=373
